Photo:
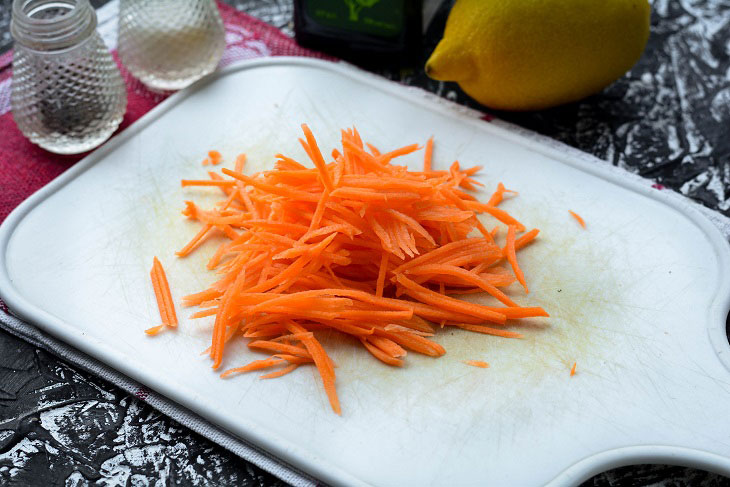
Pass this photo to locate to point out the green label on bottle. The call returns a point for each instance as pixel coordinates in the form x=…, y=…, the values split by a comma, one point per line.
x=376, y=17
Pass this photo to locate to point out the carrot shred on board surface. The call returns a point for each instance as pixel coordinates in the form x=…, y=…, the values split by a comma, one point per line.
x=154, y=330
x=578, y=218
x=572, y=369
x=215, y=157
x=353, y=243
x=477, y=363
x=428, y=155
x=510, y=252
x=163, y=296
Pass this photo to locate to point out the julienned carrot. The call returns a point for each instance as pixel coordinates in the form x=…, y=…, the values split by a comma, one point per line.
x=488, y=330
x=165, y=304
x=467, y=276
x=154, y=330
x=526, y=238
x=386, y=345
x=380, y=284
x=207, y=182
x=450, y=304
x=509, y=250
x=314, y=153
x=280, y=372
x=280, y=347
x=355, y=244
x=578, y=218
x=427, y=155
x=195, y=241
x=572, y=369
x=215, y=157
x=161, y=305
x=477, y=363
x=255, y=365
x=381, y=355
x=497, y=196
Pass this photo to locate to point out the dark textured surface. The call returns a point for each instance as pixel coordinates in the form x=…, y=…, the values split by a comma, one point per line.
x=59, y=426
x=668, y=119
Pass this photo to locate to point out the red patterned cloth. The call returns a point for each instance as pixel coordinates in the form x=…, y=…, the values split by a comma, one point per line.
x=25, y=168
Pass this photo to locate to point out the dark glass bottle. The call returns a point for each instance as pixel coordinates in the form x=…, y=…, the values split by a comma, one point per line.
x=366, y=32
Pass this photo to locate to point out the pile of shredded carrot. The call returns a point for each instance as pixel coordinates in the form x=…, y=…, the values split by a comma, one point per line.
x=359, y=245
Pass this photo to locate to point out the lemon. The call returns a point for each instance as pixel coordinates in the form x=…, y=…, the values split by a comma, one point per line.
x=534, y=54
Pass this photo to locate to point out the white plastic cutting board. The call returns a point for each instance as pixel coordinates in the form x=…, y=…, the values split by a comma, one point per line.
x=638, y=299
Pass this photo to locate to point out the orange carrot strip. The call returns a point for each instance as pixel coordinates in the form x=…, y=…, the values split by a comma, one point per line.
x=293, y=336
x=402, y=151
x=364, y=314
x=488, y=330
x=374, y=150
x=430, y=297
x=166, y=295
x=275, y=189
x=388, y=346
x=380, y=355
x=412, y=223
x=280, y=372
x=255, y=365
x=195, y=242
x=477, y=363
x=313, y=149
x=280, y=347
x=319, y=212
x=578, y=218
x=381, y=275
x=215, y=157
x=240, y=162
x=155, y=330
x=204, y=313
x=498, y=195
x=361, y=194
x=401, y=328
x=503, y=216
x=222, y=319
x=414, y=342
x=526, y=239
x=427, y=155
x=467, y=276
x=449, y=249
x=206, y=182
x=288, y=163
x=509, y=250
x=157, y=288
x=326, y=371
x=162, y=294
x=572, y=369
x=293, y=359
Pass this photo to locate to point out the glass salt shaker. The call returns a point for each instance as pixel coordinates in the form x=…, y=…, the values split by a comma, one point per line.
x=67, y=93
x=168, y=44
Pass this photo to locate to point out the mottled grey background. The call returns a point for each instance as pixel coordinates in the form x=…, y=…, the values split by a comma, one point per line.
x=668, y=119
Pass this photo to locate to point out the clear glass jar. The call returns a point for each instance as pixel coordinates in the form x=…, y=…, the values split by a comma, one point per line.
x=67, y=93
x=168, y=44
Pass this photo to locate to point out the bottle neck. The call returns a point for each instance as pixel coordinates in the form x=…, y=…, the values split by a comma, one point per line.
x=52, y=25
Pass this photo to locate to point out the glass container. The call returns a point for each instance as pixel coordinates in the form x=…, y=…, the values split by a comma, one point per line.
x=67, y=93
x=168, y=44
